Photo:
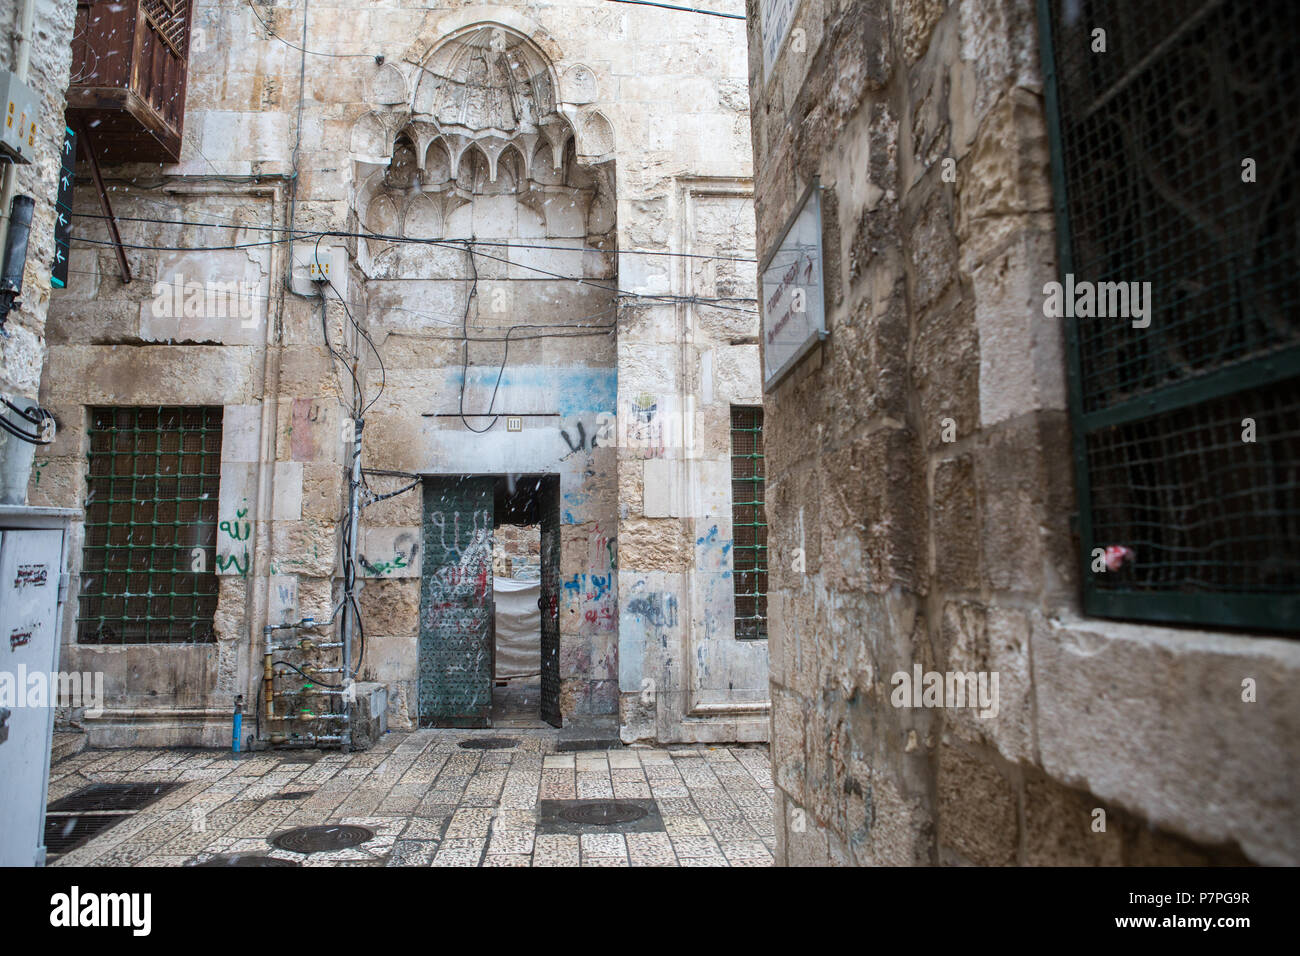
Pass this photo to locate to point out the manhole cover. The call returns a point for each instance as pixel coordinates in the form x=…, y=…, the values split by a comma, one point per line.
x=247, y=859
x=323, y=839
x=604, y=813
x=293, y=795
x=489, y=743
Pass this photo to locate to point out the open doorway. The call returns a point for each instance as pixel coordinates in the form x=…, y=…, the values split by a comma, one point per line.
x=517, y=657
x=482, y=659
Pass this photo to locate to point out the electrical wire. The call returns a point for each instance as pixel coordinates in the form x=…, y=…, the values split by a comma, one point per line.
x=414, y=239
x=455, y=319
x=375, y=499
x=464, y=365
x=26, y=415
x=324, y=326
x=371, y=56
x=17, y=432
x=669, y=6
x=271, y=32
x=383, y=372
x=715, y=301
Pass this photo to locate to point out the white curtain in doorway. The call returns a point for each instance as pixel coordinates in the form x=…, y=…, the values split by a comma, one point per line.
x=519, y=627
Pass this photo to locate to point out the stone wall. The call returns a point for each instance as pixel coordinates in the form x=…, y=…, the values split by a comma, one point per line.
x=644, y=147
x=517, y=551
x=22, y=348
x=919, y=463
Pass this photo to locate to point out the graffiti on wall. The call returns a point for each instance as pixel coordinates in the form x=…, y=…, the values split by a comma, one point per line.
x=405, y=548
x=232, y=544
x=468, y=573
x=590, y=595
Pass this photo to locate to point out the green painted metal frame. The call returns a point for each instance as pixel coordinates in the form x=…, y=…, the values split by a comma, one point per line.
x=1264, y=611
x=455, y=653
x=748, y=421
x=165, y=564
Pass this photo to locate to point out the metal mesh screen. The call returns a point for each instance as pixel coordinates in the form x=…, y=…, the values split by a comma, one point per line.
x=749, y=522
x=147, y=570
x=1173, y=152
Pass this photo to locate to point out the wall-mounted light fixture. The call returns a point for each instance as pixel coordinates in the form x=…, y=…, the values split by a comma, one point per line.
x=15, y=255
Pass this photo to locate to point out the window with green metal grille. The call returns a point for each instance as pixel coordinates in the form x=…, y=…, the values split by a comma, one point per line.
x=147, y=568
x=748, y=523
x=1173, y=162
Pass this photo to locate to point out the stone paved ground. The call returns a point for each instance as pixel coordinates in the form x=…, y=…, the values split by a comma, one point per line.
x=431, y=802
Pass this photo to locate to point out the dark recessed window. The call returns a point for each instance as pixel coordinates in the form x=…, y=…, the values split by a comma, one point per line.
x=748, y=522
x=147, y=569
x=1174, y=154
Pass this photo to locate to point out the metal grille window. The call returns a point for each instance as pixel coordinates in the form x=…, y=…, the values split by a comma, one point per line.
x=748, y=522
x=1173, y=159
x=147, y=569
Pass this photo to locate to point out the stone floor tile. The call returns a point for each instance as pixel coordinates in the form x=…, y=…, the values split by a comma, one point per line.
x=430, y=802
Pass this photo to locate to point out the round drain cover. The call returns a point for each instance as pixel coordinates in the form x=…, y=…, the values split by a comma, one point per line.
x=488, y=743
x=340, y=836
x=247, y=859
x=604, y=813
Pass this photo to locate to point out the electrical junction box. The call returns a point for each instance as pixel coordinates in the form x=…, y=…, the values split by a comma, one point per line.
x=319, y=270
x=514, y=423
x=33, y=591
x=18, y=119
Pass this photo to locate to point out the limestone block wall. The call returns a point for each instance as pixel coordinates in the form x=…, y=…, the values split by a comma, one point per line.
x=647, y=149
x=957, y=555
x=22, y=349
x=516, y=551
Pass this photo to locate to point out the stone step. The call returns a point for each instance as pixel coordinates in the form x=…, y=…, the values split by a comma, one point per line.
x=589, y=733
x=67, y=743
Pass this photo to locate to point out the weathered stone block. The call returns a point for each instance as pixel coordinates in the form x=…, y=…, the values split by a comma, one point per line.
x=945, y=371
x=1061, y=827
x=977, y=810
x=955, y=526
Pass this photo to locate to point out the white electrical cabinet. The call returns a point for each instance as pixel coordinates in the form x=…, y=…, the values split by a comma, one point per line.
x=33, y=586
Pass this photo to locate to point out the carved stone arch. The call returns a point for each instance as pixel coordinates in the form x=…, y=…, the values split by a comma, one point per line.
x=423, y=217
x=466, y=162
x=593, y=137
x=370, y=141
x=545, y=171
x=514, y=152
x=437, y=162
x=454, y=22
x=403, y=170
x=578, y=85
x=382, y=216
x=558, y=135
x=388, y=87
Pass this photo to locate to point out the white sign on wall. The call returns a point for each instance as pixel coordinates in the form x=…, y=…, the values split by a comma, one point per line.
x=793, y=303
x=775, y=17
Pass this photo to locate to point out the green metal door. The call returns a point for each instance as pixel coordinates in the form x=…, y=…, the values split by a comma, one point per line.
x=549, y=602
x=456, y=603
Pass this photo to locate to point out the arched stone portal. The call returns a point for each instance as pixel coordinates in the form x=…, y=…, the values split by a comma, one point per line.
x=497, y=333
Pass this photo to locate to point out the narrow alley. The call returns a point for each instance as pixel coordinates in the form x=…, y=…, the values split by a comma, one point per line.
x=428, y=799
